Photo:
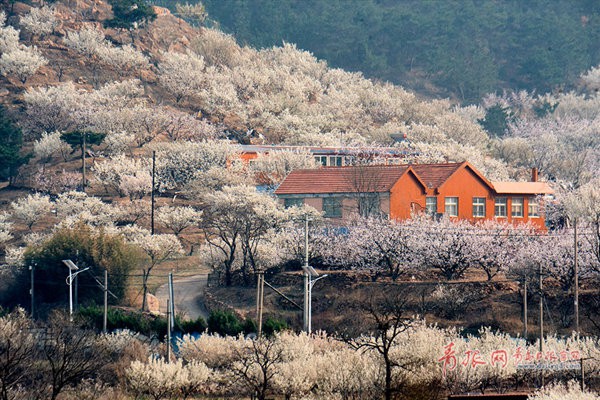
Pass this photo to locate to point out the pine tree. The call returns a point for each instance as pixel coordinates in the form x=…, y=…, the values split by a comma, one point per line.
x=11, y=141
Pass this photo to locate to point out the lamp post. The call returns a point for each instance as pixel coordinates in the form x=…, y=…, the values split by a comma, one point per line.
x=72, y=267
x=309, y=273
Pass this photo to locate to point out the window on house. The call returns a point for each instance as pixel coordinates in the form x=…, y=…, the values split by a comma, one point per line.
x=332, y=207
x=451, y=206
x=479, y=207
x=431, y=205
x=500, y=207
x=533, y=208
x=516, y=207
x=321, y=160
x=369, y=204
x=335, y=161
x=293, y=202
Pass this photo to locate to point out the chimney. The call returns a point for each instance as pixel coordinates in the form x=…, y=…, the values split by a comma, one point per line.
x=534, y=174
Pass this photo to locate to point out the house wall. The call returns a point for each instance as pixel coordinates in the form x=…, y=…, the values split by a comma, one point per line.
x=538, y=222
x=314, y=202
x=465, y=184
x=407, y=194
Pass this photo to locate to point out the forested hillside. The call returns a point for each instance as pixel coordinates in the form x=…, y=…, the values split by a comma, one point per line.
x=460, y=49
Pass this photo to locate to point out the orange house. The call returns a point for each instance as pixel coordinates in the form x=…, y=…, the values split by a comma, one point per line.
x=330, y=156
x=455, y=189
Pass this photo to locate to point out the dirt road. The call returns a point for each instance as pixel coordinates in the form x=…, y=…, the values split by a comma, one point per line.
x=188, y=293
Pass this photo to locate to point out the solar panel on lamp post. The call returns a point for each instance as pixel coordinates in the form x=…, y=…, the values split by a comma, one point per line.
x=72, y=267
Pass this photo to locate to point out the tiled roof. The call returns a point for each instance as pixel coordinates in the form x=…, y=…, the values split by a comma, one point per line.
x=434, y=175
x=522, y=188
x=369, y=179
x=318, y=150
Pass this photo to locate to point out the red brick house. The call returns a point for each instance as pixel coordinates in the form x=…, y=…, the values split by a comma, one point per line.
x=456, y=189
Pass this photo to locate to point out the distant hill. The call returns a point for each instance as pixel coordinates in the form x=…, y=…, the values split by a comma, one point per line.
x=456, y=48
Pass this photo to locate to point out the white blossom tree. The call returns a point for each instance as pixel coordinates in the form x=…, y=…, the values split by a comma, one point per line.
x=178, y=163
x=22, y=63
x=158, y=248
x=177, y=219
x=40, y=21
x=239, y=216
x=9, y=36
x=161, y=379
x=125, y=175
x=51, y=145
x=31, y=209
x=5, y=229
x=271, y=169
x=182, y=75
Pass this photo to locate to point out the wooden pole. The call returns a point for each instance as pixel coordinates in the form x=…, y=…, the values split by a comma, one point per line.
x=576, y=272
x=83, y=162
x=306, y=277
x=260, y=294
x=152, y=192
x=541, y=311
x=105, y=319
x=525, y=333
x=32, y=269
x=168, y=331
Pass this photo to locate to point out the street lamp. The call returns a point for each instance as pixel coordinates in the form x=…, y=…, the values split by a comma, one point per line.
x=309, y=273
x=72, y=267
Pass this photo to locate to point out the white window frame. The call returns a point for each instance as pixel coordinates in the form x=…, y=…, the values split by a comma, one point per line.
x=431, y=205
x=451, y=206
x=501, y=203
x=333, y=161
x=478, y=207
x=322, y=160
x=517, y=207
x=533, y=208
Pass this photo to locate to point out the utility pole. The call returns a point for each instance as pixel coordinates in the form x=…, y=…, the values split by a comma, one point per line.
x=172, y=298
x=525, y=308
x=576, y=271
x=105, y=319
x=168, y=331
x=306, y=275
x=83, y=161
x=541, y=320
x=260, y=295
x=152, y=191
x=75, y=295
x=541, y=311
x=31, y=291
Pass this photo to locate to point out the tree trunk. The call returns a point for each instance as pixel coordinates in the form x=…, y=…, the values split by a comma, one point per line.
x=145, y=276
x=388, y=379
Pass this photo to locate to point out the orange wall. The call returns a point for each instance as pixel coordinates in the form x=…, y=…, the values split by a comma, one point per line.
x=538, y=222
x=465, y=185
x=404, y=193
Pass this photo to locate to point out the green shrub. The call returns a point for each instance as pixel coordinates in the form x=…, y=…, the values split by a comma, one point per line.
x=272, y=325
x=129, y=13
x=198, y=325
x=224, y=323
x=87, y=248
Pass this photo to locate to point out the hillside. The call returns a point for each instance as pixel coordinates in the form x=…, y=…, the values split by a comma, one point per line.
x=83, y=89
x=460, y=49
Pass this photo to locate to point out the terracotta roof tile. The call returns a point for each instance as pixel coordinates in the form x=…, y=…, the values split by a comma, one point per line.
x=342, y=180
x=434, y=175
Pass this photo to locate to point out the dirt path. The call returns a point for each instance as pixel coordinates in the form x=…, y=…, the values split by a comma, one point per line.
x=188, y=294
